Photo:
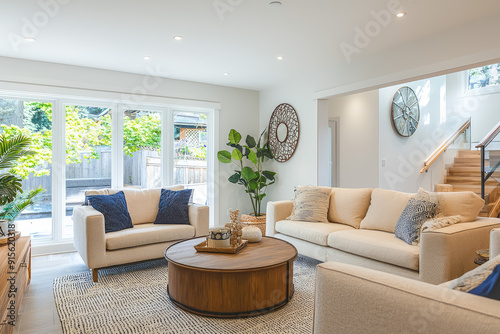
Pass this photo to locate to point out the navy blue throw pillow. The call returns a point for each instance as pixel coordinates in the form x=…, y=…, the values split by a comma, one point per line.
x=173, y=207
x=413, y=216
x=490, y=288
x=115, y=211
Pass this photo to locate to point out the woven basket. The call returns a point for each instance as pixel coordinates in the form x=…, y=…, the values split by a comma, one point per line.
x=251, y=220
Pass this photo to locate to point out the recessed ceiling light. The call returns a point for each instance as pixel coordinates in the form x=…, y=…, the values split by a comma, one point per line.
x=400, y=14
x=29, y=39
x=280, y=57
x=178, y=38
x=275, y=3
x=226, y=73
x=147, y=58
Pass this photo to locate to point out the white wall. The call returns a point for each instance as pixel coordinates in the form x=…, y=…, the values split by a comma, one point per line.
x=405, y=156
x=482, y=108
x=358, y=129
x=239, y=107
x=301, y=169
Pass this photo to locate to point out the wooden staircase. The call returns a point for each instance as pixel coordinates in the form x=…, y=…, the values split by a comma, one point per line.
x=465, y=175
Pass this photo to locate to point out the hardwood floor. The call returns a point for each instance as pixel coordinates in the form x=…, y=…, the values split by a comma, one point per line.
x=38, y=313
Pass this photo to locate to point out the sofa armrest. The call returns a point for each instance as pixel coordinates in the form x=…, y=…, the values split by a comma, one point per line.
x=449, y=252
x=494, y=243
x=89, y=235
x=199, y=218
x=275, y=212
x=351, y=299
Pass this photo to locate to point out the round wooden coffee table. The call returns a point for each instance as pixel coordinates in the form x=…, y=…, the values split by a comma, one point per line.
x=254, y=281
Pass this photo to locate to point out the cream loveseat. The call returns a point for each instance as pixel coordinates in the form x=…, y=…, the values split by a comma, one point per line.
x=361, y=228
x=145, y=241
x=382, y=303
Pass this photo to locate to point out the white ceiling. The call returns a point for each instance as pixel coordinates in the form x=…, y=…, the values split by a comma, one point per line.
x=245, y=39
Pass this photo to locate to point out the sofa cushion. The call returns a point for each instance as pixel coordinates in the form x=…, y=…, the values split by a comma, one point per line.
x=173, y=207
x=349, y=206
x=465, y=204
x=114, y=209
x=385, y=209
x=145, y=234
x=310, y=204
x=142, y=203
x=316, y=233
x=376, y=245
x=410, y=222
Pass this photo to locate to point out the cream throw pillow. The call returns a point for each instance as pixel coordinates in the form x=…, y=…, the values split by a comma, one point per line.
x=311, y=204
x=475, y=277
x=465, y=204
x=349, y=206
x=385, y=209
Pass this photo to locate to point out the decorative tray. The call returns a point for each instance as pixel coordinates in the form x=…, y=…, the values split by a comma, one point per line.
x=228, y=250
x=4, y=240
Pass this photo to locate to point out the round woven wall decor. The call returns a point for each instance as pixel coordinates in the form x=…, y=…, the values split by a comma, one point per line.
x=283, y=132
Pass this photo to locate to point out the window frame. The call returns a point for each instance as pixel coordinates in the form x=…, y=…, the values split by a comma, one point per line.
x=56, y=243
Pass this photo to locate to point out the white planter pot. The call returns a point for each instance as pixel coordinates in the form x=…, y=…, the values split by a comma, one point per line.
x=4, y=227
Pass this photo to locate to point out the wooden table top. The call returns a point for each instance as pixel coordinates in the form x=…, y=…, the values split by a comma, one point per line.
x=266, y=253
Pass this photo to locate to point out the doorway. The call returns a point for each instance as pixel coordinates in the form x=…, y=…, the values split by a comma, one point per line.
x=333, y=152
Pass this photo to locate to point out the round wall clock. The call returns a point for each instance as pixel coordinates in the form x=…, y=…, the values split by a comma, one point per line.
x=405, y=111
x=283, y=132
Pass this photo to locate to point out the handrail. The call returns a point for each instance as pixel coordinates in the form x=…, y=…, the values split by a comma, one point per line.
x=490, y=136
x=438, y=151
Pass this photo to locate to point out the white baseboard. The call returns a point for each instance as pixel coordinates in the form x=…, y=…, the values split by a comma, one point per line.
x=49, y=249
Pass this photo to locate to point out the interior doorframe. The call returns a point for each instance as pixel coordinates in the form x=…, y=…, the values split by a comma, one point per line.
x=334, y=122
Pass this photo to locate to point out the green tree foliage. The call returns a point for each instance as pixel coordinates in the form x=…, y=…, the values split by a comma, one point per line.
x=86, y=129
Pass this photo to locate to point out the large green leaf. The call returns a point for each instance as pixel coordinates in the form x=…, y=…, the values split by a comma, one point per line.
x=252, y=185
x=250, y=141
x=248, y=174
x=252, y=157
x=224, y=157
x=234, y=136
x=236, y=155
x=234, y=178
x=268, y=174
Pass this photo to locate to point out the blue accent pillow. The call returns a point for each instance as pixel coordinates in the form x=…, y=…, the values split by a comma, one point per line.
x=490, y=288
x=115, y=211
x=413, y=216
x=173, y=207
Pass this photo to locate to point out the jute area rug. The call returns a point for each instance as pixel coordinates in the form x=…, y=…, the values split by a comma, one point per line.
x=133, y=299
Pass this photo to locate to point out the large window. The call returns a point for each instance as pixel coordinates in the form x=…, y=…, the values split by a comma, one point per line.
x=141, y=149
x=485, y=76
x=190, y=153
x=88, y=156
x=33, y=119
x=88, y=145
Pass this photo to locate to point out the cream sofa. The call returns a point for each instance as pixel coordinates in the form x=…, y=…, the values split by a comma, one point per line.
x=145, y=241
x=361, y=227
x=382, y=303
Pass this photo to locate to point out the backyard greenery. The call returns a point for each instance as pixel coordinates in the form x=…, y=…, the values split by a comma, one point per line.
x=86, y=129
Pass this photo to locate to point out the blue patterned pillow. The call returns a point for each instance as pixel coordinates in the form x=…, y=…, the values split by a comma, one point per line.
x=413, y=216
x=115, y=211
x=173, y=207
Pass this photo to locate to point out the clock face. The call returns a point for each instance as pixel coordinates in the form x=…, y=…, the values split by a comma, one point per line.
x=405, y=111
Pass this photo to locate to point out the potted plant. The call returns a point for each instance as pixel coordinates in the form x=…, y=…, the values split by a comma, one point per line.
x=12, y=199
x=250, y=173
